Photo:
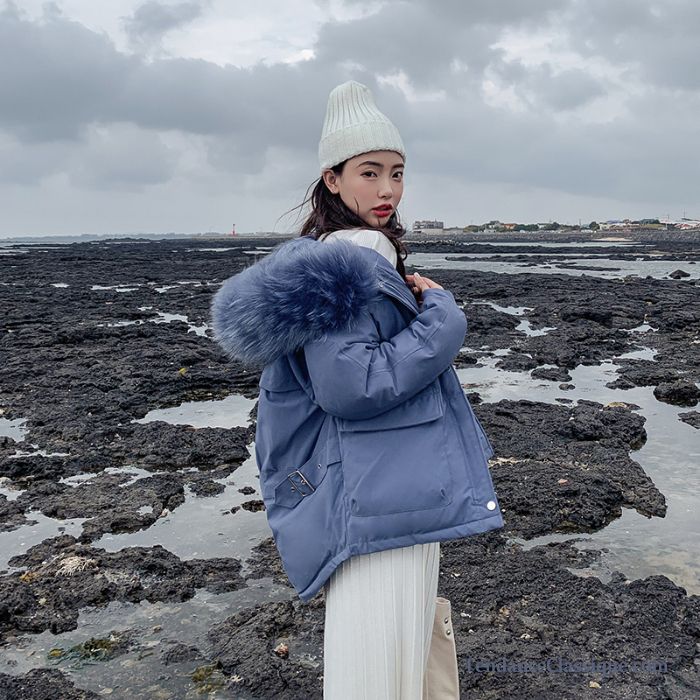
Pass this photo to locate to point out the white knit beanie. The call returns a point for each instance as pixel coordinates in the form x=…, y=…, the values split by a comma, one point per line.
x=354, y=125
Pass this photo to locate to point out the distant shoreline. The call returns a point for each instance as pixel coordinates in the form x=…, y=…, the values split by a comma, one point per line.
x=618, y=235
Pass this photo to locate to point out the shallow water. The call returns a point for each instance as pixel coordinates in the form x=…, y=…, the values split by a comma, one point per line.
x=141, y=673
x=13, y=428
x=204, y=527
x=229, y=412
x=637, y=545
x=161, y=317
x=23, y=538
x=617, y=268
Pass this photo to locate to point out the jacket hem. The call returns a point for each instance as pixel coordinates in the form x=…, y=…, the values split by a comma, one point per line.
x=475, y=527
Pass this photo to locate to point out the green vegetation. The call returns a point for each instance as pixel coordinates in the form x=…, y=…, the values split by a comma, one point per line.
x=92, y=650
x=208, y=678
x=504, y=227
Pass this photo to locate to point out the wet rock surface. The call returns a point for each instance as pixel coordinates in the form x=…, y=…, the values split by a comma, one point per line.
x=61, y=575
x=691, y=418
x=566, y=467
x=600, y=330
x=244, y=646
x=12, y=515
x=42, y=684
x=107, y=503
x=527, y=605
x=574, y=473
x=680, y=393
x=507, y=603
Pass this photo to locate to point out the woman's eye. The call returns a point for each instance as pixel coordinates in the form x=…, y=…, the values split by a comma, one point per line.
x=369, y=172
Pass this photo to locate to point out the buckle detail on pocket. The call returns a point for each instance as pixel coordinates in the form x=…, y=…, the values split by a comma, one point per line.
x=292, y=488
x=300, y=484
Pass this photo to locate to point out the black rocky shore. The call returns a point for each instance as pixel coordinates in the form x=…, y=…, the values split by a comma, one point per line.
x=564, y=468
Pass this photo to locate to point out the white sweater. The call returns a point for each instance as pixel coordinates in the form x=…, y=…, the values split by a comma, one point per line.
x=366, y=237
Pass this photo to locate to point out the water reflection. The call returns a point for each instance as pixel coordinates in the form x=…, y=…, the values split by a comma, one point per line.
x=615, y=269
x=23, y=538
x=204, y=527
x=636, y=545
x=142, y=672
x=230, y=412
x=13, y=428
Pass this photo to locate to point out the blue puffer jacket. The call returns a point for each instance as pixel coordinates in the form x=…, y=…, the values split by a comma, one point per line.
x=365, y=440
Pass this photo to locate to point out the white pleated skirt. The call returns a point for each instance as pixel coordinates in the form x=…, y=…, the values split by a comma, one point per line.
x=380, y=609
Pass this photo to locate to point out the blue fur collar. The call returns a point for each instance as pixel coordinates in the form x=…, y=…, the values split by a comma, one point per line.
x=298, y=292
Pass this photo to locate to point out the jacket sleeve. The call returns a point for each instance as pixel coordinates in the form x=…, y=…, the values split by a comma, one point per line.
x=356, y=375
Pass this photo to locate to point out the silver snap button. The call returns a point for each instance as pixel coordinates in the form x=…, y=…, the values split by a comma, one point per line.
x=491, y=505
x=448, y=632
x=447, y=619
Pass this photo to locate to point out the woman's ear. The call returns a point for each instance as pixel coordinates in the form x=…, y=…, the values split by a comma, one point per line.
x=330, y=178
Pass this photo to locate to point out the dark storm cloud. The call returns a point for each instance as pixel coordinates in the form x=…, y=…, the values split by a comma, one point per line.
x=567, y=90
x=423, y=38
x=122, y=157
x=153, y=19
x=28, y=163
x=539, y=85
x=503, y=12
x=659, y=37
x=621, y=159
x=65, y=84
x=410, y=40
x=57, y=77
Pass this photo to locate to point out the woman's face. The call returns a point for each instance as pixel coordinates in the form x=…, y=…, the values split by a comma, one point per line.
x=370, y=180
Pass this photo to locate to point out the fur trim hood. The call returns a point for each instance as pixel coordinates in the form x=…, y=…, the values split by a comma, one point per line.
x=297, y=293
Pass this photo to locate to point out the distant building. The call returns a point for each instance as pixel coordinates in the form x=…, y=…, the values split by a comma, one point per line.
x=682, y=224
x=428, y=226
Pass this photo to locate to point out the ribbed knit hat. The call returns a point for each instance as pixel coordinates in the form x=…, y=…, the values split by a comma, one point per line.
x=354, y=125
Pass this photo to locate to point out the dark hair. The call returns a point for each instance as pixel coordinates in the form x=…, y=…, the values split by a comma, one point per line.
x=330, y=213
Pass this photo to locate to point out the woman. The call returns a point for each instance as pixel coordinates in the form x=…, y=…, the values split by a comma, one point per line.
x=369, y=452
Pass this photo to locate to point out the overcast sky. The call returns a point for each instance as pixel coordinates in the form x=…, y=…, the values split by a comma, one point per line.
x=125, y=116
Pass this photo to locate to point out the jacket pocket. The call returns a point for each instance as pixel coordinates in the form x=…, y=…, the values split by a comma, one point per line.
x=300, y=483
x=309, y=530
x=396, y=462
